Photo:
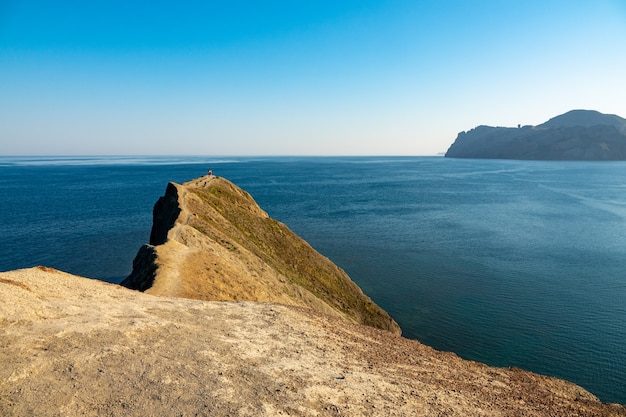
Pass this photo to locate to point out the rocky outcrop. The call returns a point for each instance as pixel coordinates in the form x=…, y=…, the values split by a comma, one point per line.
x=576, y=135
x=71, y=346
x=211, y=241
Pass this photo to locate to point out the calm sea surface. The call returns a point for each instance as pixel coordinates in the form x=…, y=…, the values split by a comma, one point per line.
x=506, y=262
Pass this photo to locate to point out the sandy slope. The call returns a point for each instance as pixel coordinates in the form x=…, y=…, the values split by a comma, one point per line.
x=70, y=346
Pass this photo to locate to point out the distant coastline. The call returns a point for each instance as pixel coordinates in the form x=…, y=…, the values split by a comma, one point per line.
x=578, y=135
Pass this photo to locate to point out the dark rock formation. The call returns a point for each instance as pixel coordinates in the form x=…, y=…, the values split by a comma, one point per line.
x=164, y=215
x=584, y=135
x=144, y=269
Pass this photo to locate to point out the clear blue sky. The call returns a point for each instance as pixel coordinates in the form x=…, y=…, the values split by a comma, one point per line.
x=297, y=77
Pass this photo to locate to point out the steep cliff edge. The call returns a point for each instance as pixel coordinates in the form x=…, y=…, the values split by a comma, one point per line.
x=584, y=135
x=211, y=241
x=71, y=346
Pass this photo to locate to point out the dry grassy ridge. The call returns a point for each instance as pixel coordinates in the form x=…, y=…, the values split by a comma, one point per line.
x=211, y=241
x=71, y=346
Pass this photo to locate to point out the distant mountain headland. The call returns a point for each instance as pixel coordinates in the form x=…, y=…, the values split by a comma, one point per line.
x=578, y=135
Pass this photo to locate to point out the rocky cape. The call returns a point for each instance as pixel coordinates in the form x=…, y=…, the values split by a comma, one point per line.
x=584, y=135
x=73, y=346
x=211, y=241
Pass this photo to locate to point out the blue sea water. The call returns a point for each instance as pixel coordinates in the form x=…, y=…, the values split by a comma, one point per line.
x=512, y=263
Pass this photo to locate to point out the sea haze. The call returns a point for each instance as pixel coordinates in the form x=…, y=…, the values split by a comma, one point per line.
x=507, y=262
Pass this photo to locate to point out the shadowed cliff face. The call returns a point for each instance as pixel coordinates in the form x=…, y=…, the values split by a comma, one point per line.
x=211, y=241
x=165, y=213
x=576, y=135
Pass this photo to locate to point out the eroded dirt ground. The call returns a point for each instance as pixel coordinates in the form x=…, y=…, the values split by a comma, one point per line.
x=71, y=346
